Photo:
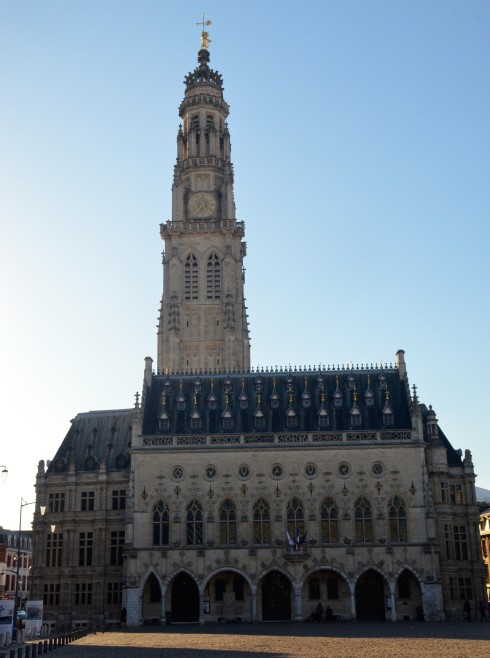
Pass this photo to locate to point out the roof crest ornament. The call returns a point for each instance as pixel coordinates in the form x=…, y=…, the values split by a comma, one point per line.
x=205, y=40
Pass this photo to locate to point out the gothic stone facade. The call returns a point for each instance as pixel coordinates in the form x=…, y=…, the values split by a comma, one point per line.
x=231, y=493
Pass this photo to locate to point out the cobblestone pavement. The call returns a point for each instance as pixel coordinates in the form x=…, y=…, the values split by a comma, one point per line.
x=343, y=640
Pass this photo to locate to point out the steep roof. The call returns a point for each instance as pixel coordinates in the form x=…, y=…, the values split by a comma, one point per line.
x=276, y=395
x=95, y=439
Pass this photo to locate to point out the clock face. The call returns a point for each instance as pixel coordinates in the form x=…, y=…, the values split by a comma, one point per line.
x=202, y=204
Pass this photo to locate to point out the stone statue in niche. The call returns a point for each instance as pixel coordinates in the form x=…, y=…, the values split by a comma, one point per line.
x=173, y=313
x=229, y=321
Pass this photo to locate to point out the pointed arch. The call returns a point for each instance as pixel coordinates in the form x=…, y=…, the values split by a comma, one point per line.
x=398, y=519
x=329, y=521
x=194, y=523
x=160, y=523
x=191, y=278
x=363, y=516
x=295, y=515
x=213, y=277
x=227, y=522
x=262, y=521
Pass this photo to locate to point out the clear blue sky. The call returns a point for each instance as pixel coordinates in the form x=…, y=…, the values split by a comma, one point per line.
x=361, y=144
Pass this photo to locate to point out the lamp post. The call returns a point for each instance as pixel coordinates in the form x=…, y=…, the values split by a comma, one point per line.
x=42, y=508
x=4, y=473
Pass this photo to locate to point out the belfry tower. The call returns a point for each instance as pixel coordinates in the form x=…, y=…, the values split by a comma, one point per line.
x=203, y=322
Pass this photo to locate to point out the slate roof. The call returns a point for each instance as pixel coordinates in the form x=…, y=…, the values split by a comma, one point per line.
x=276, y=395
x=96, y=438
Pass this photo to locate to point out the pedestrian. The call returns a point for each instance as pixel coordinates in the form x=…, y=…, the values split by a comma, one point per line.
x=482, y=608
x=467, y=610
x=319, y=611
x=123, y=618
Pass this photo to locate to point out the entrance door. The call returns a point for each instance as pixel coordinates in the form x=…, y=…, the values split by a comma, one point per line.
x=370, y=597
x=276, y=597
x=185, y=599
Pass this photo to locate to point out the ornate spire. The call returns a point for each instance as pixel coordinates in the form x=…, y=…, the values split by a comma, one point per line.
x=203, y=74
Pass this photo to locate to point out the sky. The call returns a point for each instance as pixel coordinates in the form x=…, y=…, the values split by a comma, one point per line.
x=361, y=147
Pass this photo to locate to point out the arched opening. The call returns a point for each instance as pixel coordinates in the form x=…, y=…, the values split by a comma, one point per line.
x=408, y=597
x=370, y=597
x=152, y=601
x=276, y=597
x=229, y=597
x=325, y=596
x=185, y=599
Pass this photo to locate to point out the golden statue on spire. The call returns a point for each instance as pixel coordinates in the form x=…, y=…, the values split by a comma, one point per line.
x=205, y=40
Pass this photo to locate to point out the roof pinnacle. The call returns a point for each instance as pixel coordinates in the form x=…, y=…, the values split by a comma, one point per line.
x=205, y=40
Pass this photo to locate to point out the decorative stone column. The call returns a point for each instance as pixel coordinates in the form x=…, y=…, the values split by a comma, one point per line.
x=298, y=604
x=352, y=596
x=392, y=587
x=253, y=602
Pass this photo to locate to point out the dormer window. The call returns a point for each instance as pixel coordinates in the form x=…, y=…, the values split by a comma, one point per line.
x=274, y=400
x=323, y=418
x=388, y=417
x=181, y=402
x=351, y=382
x=337, y=398
x=259, y=419
x=227, y=420
x=212, y=402
x=355, y=413
x=243, y=401
x=197, y=386
x=195, y=420
x=164, y=422
x=258, y=385
x=291, y=418
x=356, y=419
x=369, y=398
x=382, y=382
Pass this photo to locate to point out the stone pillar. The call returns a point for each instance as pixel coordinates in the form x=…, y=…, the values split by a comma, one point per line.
x=201, y=608
x=253, y=602
x=133, y=606
x=298, y=604
x=392, y=601
x=432, y=602
x=352, y=595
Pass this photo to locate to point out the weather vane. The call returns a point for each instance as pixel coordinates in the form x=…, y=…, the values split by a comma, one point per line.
x=205, y=40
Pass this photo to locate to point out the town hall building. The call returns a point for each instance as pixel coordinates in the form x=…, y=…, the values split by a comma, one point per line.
x=233, y=493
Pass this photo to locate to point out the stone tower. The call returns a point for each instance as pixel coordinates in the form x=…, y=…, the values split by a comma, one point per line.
x=203, y=321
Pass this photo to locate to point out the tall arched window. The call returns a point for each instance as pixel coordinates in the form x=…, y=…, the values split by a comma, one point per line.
x=262, y=521
x=160, y=524
x=213, y=277
x=364, y=520
x=398, y=519
x=191, y=278
x=227, y=522
x=194, y=523
x=295, y=515
x=329, y=515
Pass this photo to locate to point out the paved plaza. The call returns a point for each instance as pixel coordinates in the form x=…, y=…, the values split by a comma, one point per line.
x=281, y=640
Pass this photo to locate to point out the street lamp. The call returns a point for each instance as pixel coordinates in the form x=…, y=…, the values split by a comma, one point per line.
x=42, y=509
x=4, y=473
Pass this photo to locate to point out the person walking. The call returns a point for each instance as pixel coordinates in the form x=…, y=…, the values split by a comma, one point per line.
x=482, y=608
x=467, y=610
